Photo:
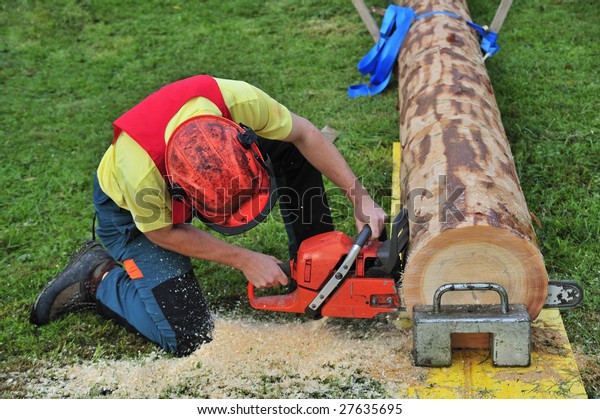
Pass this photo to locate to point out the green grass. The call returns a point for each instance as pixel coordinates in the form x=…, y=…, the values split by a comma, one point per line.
x=69, y=68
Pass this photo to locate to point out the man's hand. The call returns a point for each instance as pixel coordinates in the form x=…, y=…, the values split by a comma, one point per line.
x=263, y=271
x=366, y=211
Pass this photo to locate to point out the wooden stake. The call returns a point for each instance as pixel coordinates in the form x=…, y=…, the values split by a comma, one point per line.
x=367, y=18
x=500, y=15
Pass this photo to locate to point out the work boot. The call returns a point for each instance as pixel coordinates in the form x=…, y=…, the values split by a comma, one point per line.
x=74, y=289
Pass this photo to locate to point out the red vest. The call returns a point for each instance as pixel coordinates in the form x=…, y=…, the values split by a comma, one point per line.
x=146, y=122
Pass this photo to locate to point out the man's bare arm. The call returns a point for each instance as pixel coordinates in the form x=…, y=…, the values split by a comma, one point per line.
x=325, y=156
x=262, y=270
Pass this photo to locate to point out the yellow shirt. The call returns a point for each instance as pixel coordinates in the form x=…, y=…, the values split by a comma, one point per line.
x=130, y=178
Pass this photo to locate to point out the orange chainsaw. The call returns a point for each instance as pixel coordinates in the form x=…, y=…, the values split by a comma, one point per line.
x=336, y=276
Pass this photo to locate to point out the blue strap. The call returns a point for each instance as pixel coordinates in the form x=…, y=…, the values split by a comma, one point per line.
x=488, y=39
x=379, y=61
x=454, y=15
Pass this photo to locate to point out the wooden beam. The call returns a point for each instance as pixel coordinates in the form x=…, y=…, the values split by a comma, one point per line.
x=500, y=15
x=367, y=18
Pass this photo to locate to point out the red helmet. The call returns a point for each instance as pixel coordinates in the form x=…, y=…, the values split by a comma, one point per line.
x=218, y=169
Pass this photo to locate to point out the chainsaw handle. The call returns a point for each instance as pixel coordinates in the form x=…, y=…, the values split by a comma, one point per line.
x=286, y=267
x=251, y=296
x=363, y=236
x=280, y=302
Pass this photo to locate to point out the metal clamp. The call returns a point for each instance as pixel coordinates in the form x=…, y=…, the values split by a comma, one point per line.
x=508, y=325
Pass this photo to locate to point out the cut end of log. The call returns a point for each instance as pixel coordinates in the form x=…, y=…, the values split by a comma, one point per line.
x=477, y=254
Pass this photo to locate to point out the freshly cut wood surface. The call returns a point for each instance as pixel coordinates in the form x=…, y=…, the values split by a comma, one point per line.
x=469, y=218
x=478, y=253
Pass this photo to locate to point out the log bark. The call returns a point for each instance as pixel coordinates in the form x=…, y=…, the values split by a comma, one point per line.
x=469, y=218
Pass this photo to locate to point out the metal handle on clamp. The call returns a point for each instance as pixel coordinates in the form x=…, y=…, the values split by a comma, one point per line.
x=470, y=286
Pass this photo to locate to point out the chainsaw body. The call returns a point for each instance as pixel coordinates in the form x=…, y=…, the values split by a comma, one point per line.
x=328, y=284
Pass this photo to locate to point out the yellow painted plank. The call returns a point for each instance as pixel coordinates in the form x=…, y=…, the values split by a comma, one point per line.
x=553, y=373
x=396, y=158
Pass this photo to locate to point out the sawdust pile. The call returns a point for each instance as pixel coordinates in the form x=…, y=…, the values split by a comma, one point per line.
x=325, y=358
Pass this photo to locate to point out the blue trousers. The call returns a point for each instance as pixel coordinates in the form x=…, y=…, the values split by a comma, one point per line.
x=156, y=293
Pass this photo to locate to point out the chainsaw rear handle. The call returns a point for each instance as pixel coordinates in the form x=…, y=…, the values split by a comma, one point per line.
x=286, y=267
x=284, y=302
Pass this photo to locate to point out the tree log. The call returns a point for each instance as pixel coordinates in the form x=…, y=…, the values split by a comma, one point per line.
x=469, y=218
